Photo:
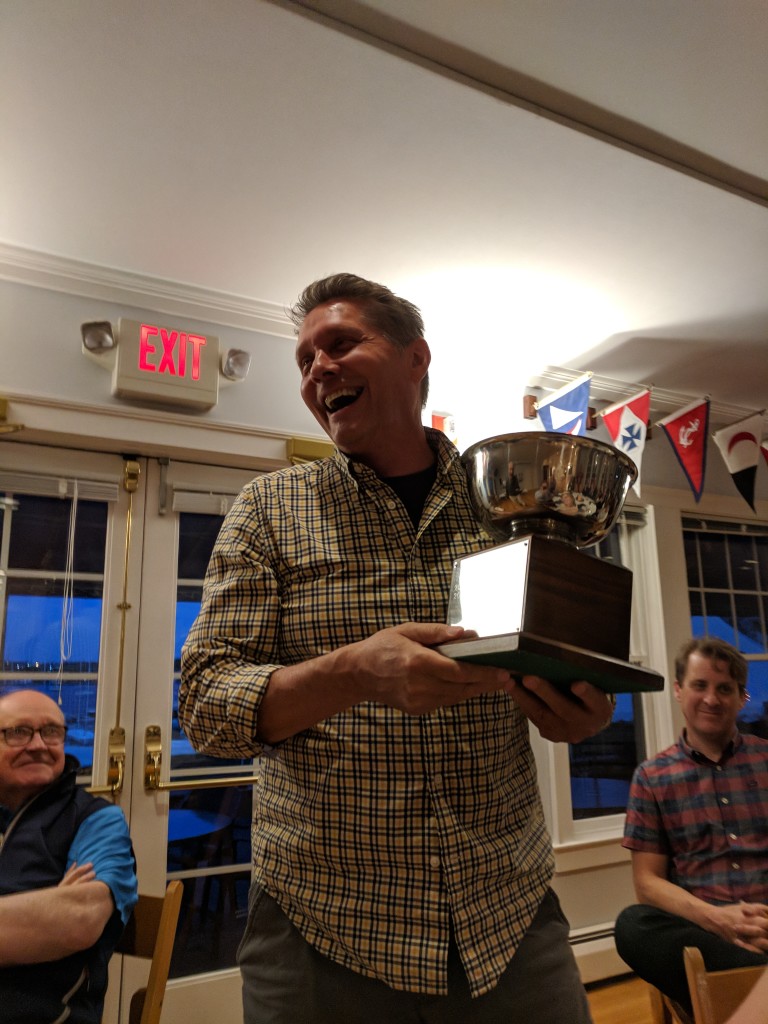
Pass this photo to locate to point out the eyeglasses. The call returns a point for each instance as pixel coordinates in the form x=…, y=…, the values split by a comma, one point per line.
x=21, y=735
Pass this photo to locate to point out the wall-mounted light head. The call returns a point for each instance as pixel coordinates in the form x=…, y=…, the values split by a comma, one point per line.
x=98, y=337
x=235, y=364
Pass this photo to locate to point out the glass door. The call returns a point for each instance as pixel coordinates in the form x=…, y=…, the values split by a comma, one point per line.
x=68, y=622
x=101, y=566
x=191, y=814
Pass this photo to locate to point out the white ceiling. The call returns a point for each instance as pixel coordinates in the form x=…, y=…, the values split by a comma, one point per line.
x=464, y=153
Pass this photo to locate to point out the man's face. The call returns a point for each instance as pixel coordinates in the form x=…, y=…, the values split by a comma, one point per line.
x=26, y=771
x=361, y=388
x=710, y=701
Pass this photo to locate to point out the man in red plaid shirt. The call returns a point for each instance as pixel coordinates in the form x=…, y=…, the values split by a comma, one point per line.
x=697, y=826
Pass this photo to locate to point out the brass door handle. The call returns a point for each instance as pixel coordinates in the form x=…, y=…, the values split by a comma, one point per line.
x=116, y=768
x=153, y=759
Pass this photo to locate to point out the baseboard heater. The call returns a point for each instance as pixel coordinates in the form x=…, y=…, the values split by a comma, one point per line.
x=595, y=952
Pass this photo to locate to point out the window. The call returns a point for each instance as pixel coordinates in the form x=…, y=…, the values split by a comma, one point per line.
x=584, y=787
x=601, y=767
x=209, y=830
x=51, y=596
x=727, y=568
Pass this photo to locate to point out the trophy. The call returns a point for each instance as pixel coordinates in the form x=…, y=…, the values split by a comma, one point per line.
x=539, y=604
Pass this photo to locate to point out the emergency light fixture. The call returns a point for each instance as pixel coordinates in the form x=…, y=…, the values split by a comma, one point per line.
x=163, y=365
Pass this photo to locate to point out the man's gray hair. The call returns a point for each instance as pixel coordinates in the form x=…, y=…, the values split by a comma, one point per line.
x=397, y=319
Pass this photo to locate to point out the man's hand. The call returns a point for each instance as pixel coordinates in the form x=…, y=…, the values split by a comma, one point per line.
x=744, y=924
x=77, y=874
x=395, y=666
x=560, y=716
x=399, y=668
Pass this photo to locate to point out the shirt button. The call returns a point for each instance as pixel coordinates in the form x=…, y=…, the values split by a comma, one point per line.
x=391, y=504
x=724, y=800
x=434, y=862
x=733, y=836
x=735, y=865
x=718, y=768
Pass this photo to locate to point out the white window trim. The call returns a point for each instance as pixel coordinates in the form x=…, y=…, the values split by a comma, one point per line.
x=579, y=842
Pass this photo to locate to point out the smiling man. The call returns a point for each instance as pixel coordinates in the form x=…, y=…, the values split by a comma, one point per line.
x=364, y=390
x=401, y=860
x=67, y=873
x=697, y=825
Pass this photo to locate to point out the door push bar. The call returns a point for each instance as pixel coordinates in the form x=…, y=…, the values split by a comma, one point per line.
x=153, y=759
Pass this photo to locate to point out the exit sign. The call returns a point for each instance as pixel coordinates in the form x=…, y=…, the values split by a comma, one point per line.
x=166, y=365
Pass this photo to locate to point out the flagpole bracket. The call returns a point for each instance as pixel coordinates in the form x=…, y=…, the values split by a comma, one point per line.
x=529, y=411
x=529, y=407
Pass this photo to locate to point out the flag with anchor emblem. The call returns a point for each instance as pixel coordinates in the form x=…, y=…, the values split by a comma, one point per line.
x=627, y=423
x=686, y=431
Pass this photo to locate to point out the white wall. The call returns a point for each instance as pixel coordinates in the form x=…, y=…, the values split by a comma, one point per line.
x=40, y=354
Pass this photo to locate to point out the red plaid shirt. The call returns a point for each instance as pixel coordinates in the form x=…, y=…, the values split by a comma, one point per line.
x=710, y=819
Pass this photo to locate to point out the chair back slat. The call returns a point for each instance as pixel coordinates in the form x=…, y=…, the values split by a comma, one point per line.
x=150, y=934
x=715, y=995
x=140, y=933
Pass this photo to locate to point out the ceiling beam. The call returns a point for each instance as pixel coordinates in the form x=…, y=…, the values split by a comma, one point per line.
x=389, y=33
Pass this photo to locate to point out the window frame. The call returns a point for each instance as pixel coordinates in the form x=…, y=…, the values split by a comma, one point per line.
x=729, y=527
x=601, y=836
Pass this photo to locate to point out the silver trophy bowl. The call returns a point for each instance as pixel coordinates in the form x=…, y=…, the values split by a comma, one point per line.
x=558, y=486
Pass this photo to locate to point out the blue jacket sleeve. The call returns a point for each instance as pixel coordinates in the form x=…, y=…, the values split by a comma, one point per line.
x=104, y=841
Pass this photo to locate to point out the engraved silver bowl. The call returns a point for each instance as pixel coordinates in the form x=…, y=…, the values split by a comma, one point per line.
x=563, y=487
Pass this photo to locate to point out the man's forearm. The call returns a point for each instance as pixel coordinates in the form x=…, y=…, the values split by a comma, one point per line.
x=48, y=924
x=395, y=666
x=665, y=895
x=299, y=696
x=723, y=920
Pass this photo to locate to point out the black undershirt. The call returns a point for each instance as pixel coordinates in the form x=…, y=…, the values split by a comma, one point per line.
x=413, y=490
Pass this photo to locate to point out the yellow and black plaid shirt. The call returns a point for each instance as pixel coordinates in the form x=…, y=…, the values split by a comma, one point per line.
x=373, y=829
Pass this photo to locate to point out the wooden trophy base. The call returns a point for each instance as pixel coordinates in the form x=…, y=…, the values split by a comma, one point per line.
x=541, y=607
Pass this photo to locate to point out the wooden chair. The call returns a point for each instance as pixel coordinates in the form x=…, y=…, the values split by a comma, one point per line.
x=664, y=1011
x=716, y=994
x=150, y=934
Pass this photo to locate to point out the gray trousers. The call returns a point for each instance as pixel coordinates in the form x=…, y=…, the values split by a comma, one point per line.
x=286, y=981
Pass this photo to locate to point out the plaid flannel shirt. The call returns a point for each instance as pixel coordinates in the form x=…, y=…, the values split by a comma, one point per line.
x=710, y=819
x=374, y=830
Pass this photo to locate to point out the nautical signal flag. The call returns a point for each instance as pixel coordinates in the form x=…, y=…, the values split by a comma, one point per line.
x=627, y=423
x=686, y=431
x=739, y=445
x=565, y=410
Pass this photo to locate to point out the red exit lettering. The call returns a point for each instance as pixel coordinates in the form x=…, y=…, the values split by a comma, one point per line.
x=172, y=351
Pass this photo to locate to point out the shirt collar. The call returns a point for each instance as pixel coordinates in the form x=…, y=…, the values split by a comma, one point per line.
x=446, y=453
x=733, y=745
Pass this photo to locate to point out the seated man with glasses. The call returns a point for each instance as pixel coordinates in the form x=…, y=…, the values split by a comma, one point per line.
x=67, y=872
